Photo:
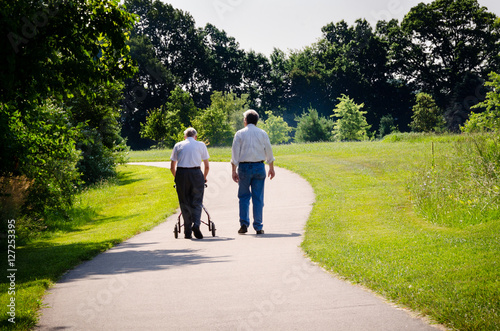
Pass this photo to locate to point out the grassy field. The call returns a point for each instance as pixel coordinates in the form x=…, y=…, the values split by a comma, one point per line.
x=101, y=218
x=364, y=228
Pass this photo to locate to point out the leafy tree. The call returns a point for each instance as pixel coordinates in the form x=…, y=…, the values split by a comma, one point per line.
x=312, y=127
x=387, y=126
x=351, y=124
x=277, y=129
x=52, y=47
x=169, y=51
x=166, y=124
x=102, y=147
x=213, y=127
x=488, y=120
x=223, y=64
x=148, y=89
x=218, y=123
x=426, y=114
x=442, y=41
x=53, y=50
x=50, y=156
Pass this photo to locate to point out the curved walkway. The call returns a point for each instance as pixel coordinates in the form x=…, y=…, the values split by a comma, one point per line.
x=227, y=282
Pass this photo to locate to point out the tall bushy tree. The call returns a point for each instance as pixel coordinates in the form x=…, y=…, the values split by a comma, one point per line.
x=427, y=116
x=169, y=51
x=102, y=147
x=488, y=120
x=217, y=124
x=52, y=51
x=166, y=124
x=441, y=42
x=351, y=124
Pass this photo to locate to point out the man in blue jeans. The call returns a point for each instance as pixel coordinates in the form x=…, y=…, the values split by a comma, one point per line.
x=251, y=147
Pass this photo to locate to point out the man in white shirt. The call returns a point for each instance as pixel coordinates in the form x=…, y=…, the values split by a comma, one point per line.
x=189, y=180
x=251, y=147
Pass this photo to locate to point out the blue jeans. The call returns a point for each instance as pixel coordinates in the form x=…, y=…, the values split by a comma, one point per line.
x=251, y=186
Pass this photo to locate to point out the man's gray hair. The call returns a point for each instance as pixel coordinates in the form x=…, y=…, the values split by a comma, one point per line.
x=190, y=132
x=251, y=116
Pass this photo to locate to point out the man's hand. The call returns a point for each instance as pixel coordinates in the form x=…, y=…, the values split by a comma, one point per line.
x=271, y=173
x=236, y=178
x=271, y=170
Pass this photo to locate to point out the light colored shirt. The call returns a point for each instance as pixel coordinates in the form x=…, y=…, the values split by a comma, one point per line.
x=189, y=153
x=251, y=144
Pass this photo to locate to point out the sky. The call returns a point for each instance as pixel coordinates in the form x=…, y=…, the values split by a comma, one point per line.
x=262, y=25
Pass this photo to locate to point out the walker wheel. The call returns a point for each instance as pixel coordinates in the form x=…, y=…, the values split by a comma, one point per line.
x=176, y=232
x=213, y=229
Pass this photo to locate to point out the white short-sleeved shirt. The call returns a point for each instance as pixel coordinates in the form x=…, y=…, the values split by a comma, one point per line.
x=189, y=153
x=251, y=144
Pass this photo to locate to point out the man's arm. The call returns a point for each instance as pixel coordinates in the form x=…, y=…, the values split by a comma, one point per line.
x=206, y=169
x=235, y=176
x=172, y=167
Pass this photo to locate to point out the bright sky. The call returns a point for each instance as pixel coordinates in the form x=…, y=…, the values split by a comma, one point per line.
x=261, y=25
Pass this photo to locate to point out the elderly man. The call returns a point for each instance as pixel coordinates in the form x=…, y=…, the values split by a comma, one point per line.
x=251, y=147
x=189, y=180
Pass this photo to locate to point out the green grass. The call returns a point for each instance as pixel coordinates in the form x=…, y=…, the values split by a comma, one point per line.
x=101, y=218
x=364, y=227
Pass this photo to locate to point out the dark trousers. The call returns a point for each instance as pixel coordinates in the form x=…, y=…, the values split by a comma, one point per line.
x=190, y=185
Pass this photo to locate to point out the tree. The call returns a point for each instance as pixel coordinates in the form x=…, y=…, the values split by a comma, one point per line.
x=440, y=42
x=488, y=120
x=426, y=114
x=218, y=123
x=213, y=127
x=277, y=129
x=49, y=155
x=53, y=50
x=312, y=127
x=351, y=124
x=102, y=147
x=223, y=63
x=387, y=126
x=169, y=51
x=166, y=124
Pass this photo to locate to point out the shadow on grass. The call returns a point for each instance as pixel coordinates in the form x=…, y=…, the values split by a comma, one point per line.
x=127, y=178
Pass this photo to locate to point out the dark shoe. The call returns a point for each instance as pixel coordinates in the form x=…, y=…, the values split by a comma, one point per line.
x=260, y=231
x=243, y=229
x=197, y=232
x=187, y=237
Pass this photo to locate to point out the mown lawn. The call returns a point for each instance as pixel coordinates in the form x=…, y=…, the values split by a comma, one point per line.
x=365, y=229
x=101, y=218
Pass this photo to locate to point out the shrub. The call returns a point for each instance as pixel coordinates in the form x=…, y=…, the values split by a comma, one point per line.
x=312, y=127
x=46, y=156
x=277, y=129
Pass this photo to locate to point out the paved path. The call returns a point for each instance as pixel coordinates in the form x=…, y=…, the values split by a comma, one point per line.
x=228, y=282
